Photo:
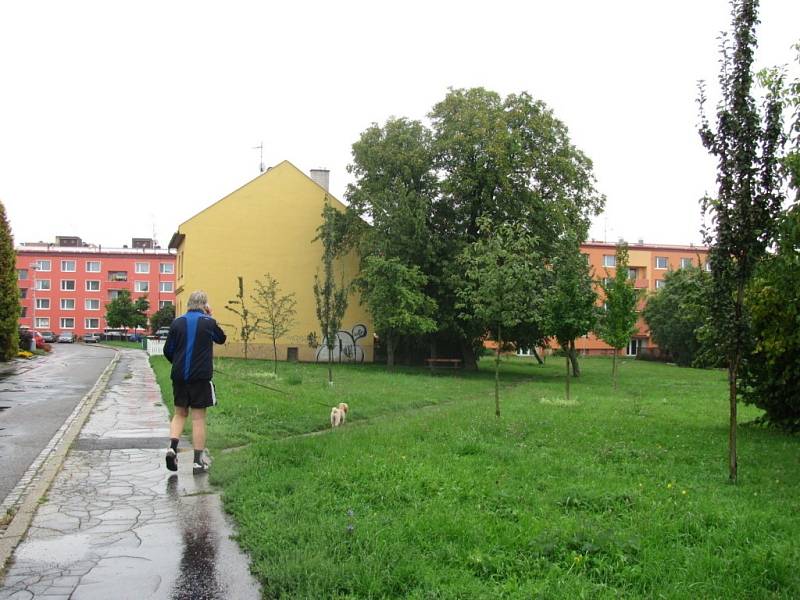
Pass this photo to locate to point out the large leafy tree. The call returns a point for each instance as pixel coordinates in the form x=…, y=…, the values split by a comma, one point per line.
x=617, y=322
x=747, y=144
x=572, y=301
x=331, y=298
x=504, y=283
x=278, y=311
x=127, y=313
x=393, y=293
x=9, y=292
x=677, y=315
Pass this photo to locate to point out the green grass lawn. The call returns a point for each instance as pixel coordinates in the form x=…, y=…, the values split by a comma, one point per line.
x=123, y=344
x=425, y=494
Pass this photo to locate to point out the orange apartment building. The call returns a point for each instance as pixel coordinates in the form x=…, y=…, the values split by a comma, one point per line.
x=65, y=286
x=648, y=265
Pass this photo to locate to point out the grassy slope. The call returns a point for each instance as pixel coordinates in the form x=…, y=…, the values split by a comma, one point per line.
x=620, y=494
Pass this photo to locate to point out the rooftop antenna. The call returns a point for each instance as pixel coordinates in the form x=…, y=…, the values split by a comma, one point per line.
x=260, y=148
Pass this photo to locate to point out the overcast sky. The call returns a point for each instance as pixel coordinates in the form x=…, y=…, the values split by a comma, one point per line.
x=120, y=119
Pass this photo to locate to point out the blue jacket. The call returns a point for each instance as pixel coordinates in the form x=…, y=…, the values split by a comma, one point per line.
x=190, y=346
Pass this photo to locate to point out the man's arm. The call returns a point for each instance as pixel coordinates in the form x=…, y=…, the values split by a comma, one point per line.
x=169, y=344
x=217, y=334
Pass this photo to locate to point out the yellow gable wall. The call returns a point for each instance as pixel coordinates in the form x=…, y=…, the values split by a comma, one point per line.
x=267, y=226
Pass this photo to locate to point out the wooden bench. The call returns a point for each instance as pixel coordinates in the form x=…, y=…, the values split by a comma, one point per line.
x=443, y=363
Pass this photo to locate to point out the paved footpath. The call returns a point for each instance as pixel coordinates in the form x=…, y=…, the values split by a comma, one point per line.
x=116, y=524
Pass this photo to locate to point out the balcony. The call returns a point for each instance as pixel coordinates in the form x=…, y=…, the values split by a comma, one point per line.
x=641, y=284
x=118, y=276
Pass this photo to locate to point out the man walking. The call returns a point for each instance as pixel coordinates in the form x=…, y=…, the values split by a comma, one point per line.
x=190, y=349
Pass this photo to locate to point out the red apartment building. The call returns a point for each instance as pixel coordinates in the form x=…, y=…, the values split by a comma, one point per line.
x=65, y=286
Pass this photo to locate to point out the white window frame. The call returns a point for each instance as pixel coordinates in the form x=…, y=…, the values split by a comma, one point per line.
x=22, y=274
x=43, y=304
x=64, y=268
x=167, y=268
x=40, y=265
x=660, y=283
x=163, y=303
x=42, y=323
x=610, y=261
x=163, y=285
x=41, y=287
x=65, y=288
x=666, y=263
x=684, y=265
x=87, y=323
x=94, y=262
x=113, y=294
x=63, y=320
x=64, y=303
x=708, y=266
x=141, y=268
x=88, y=304
x=137, y=287
x=88, y=281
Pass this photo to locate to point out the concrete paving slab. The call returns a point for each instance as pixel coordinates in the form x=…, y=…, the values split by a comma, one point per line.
x=117, y=524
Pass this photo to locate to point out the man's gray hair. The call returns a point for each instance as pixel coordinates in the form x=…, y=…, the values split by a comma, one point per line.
x=197, y=300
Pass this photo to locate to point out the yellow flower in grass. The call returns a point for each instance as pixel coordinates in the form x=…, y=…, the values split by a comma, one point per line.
x=669, y=486
x=684, y=492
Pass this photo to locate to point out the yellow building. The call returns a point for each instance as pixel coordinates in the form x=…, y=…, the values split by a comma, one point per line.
x=267, y=226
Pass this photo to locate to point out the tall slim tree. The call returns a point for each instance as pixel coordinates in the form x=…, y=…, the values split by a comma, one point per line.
x=248, y=320
x=9, y=292
x=503, y=283
x=747, y=143
x=618, y=321
x=572, y=301
x=278, y=311
x=331, y=298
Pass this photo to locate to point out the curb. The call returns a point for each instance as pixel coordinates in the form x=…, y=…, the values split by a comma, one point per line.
x=40, y=475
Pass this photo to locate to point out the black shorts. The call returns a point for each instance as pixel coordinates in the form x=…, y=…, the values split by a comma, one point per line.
x=195, y=394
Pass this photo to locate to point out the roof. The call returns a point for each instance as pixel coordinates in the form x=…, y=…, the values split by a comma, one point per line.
x=643, y=246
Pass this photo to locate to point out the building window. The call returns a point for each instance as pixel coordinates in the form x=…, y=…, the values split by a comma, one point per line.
x=92, y=304
x=23, y=293
x=118, y=276
x=609, y=260
x=686, y=263
x=67, y=323
x=661, y=262
x=23, y=311
x=67, y=266
x=167, y=268
x=92, y=285
x=632, y=274
x=163, y=303
x=43, y=285
x=43, y=304
x=708, y=266
x=93, y=323
x=166, y=286
x=113, y=294
x=660, y=283
x=92, y=266
x=142, y=286
x=68, y=304
x=142, y=268
x=42, y=323
x=42, y=265
x=67, y=285
x=22, y=273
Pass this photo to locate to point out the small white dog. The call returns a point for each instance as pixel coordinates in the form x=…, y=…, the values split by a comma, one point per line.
x=339, y=414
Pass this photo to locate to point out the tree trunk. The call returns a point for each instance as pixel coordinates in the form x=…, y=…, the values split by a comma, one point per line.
x=330, y=365
x=536, y=356
x=573, y=358
x=566, y=375
x=733, y=371
x=275, y=352
x=390, y=344
x=468, y=356
x=497, y=375
x=614, y=368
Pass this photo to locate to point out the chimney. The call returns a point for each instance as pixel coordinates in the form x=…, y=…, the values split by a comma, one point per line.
x=322, y=177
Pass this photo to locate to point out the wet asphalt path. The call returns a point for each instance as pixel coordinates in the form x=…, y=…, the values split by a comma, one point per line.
x=36, y=397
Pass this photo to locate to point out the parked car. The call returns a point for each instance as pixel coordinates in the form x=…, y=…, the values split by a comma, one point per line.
x=49, y=337
x=162, y=333
x=91, y=338
x=66, y=337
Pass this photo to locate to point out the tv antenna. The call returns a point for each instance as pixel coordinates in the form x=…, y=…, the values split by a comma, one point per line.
x=260, y=148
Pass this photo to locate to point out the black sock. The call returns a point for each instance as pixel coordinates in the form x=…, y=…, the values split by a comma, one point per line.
x=173, y=443
x=198, y=455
